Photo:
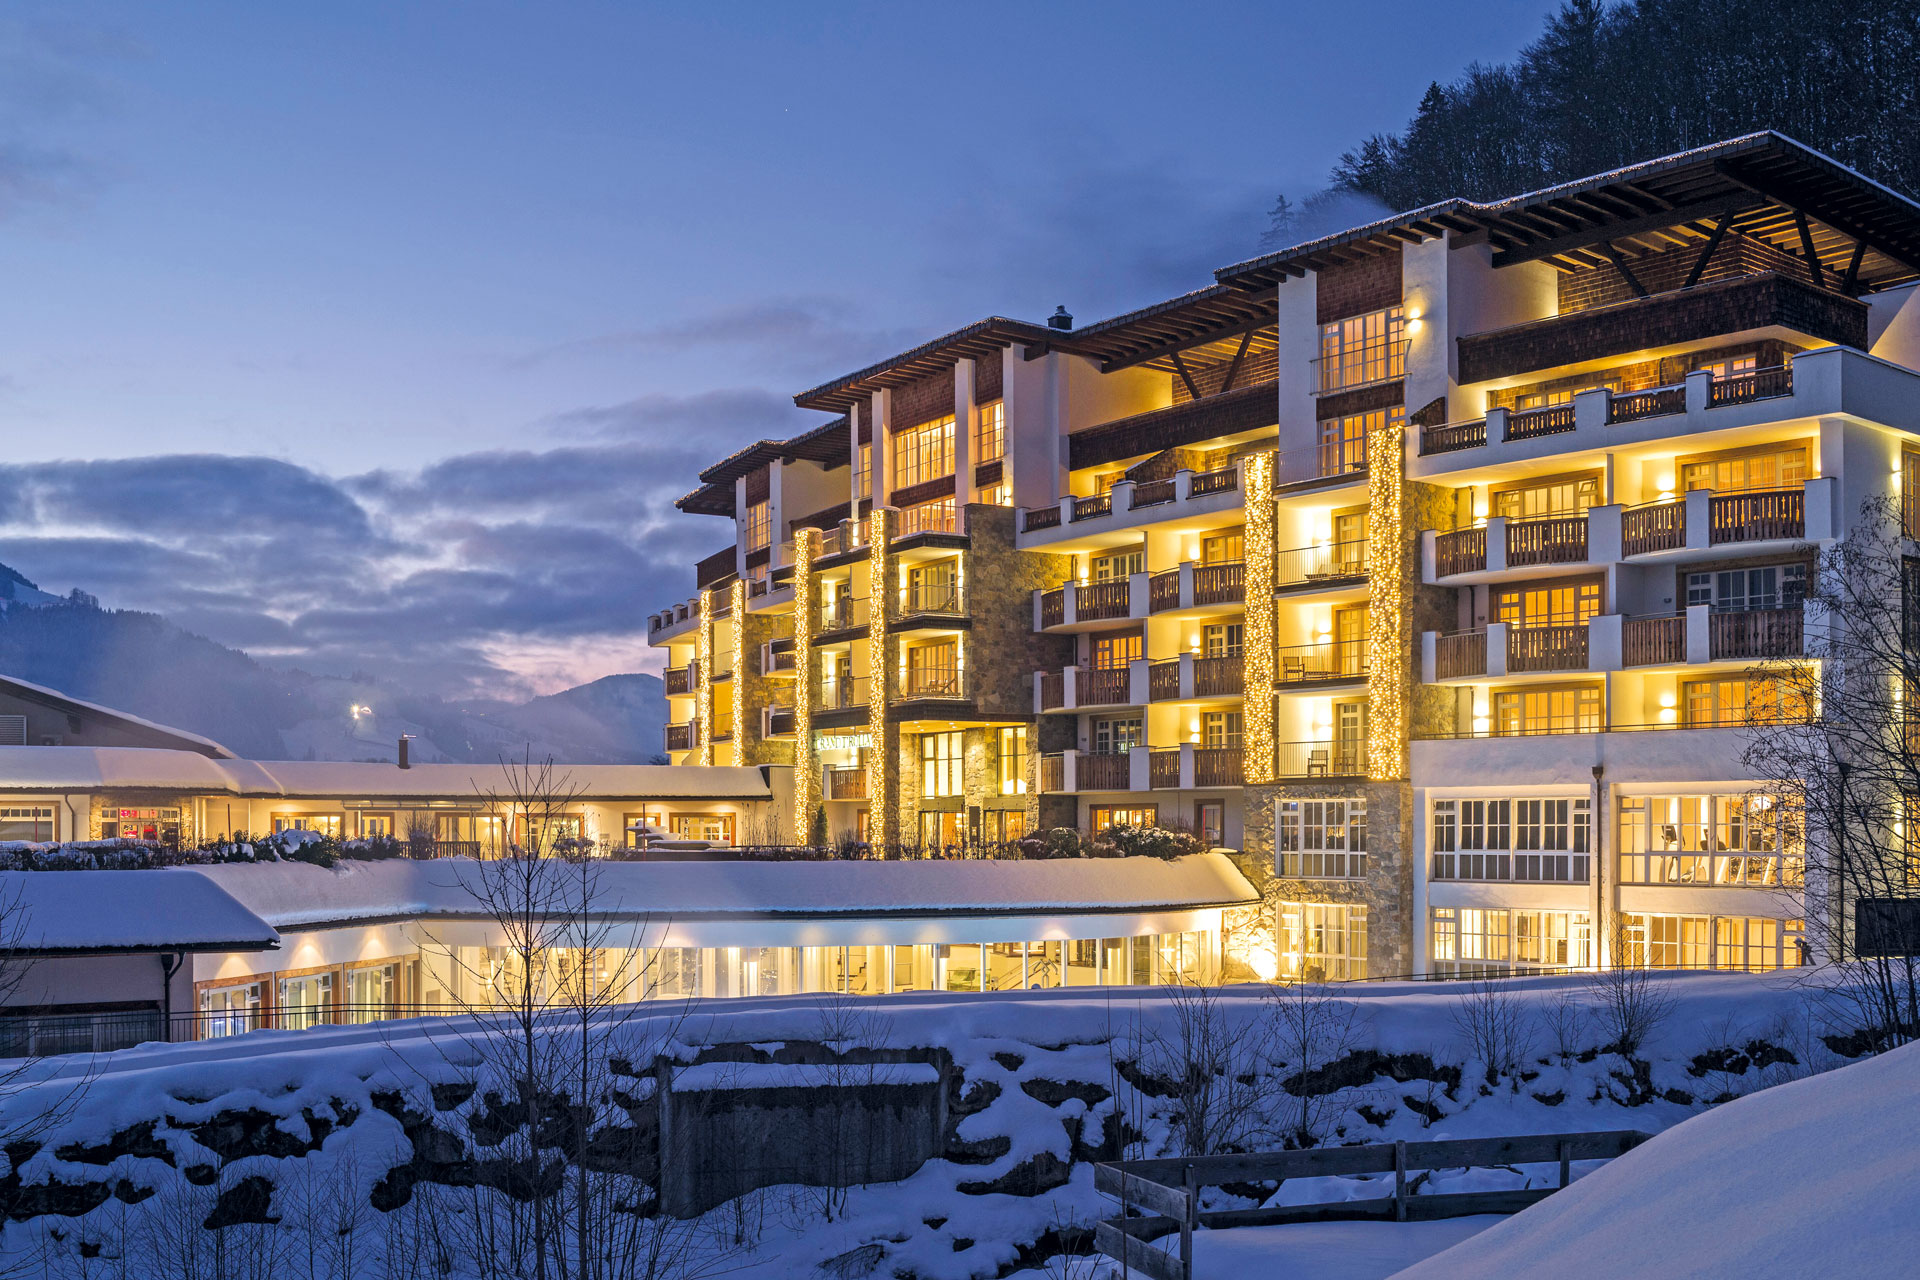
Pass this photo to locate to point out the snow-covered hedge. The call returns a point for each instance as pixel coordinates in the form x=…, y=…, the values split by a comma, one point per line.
x=136, y=855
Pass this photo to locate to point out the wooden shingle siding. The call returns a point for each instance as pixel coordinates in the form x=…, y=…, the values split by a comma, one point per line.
x=914, y=495
x=1247, y=409
x=1260, y=364
x=759, y=485
x=922, y=401
x=989, y=375
x=1706, y=311
x=1735, y=255
x=1355, y=288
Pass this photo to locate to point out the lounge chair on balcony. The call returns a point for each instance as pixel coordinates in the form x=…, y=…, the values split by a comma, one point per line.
x=1293, y=670
x=1317, y=763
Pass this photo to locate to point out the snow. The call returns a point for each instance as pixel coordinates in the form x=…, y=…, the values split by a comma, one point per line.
x=292, y=894
x=150, y=768
x=1328, y=1250
x=128, y=910
x=719, y=1076
x=1815, y=1177
x=42, y=691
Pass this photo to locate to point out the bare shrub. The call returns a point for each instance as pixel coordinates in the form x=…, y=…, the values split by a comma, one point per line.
x=1213, y=1050
x=1311, y=1029
x=1493, y=1020
x=1629, y=1004
x=1563, y=1016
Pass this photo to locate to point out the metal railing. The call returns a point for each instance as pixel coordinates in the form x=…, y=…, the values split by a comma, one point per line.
x=847, y=613
x=841, y=693
x=1338, y=758
x=1317, y=663
x=1365, y=365
x=933, y=682
x=932, y=517
x=940, y=597
x=1326, y=562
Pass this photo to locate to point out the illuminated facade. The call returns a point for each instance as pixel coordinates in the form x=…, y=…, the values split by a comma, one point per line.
x=1426, y=565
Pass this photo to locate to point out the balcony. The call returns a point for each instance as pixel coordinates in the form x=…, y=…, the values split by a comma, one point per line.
x=1755, y=635
x=931, y=600
x=922, y=683
x=1610, y=642
x=673, y=621
x=680, y=737
x=1079, y=688
x=1078, y=605
x=778, y=663
x=1197, y=586
x=1342, y=758
x=1187, y=767
x=845, y=784
x=1191, y=678
x=1332, y=662
x=841, y=693
x=1104, y=772
x=1325, y=565
x=845, y=614
x=1549, y=647
x=1188, y=495
x=1370, y=365
x=1102, y=688
x=776, y=722
x=680, y=681
x=1653, y=641
x=1717, y=310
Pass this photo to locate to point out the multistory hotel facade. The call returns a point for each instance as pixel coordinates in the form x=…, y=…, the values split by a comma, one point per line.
x=1427, y=565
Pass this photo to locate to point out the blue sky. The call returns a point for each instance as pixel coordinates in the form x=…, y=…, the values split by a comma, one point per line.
x=381, y=336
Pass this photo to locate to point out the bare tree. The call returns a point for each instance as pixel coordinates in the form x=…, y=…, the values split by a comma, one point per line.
x=1495, y=1023
x=1312, y=1030
x=1563, y=1015
x=1629, y=1001
x=1844, y=756
x=1214, y=1051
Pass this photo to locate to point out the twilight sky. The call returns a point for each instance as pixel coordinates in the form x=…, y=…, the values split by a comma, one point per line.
x=381, y=336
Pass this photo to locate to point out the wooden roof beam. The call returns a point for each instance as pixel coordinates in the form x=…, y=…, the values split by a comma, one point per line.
x=1717, y=207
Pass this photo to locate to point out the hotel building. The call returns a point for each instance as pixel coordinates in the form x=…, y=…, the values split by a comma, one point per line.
x=1425, y=565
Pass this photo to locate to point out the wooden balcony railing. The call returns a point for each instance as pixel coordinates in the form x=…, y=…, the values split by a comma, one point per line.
x=1218, y=677
x=1104, y=772
x=1755, y=634
x=1163, y=681
x=1451, y=436
x=1151, y=493
x=680, y=680
x=1660, y=527
x=846, y=784
x=1220, y=583
x=1098, y=600
x=1648, y=642
x=1761, y=384
x=1040, y=518
x=1460, y=655
x=1311, y=663
x=1553, y=647
x=1100, y=504
x=1163, y=770
x=1549, y=421
x=1225, y=480
x=779, y=722
x=1163, y=591
x=1655, y=403
x=680, y=737
x=1345, y=758
x=1053, y=607
x=1108, y=688
x=1462, y=551
x=1757, y=517
x=1217, y=767
x=1053, y=773
x=1053, y=690
x=1326, y=563
x=1560, y=540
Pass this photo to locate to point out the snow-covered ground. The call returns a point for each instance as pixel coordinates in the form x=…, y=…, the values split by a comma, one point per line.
x=1042, y=1069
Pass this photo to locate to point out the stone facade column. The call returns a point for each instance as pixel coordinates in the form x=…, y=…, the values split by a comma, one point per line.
x=883, y=800
x=806, y=762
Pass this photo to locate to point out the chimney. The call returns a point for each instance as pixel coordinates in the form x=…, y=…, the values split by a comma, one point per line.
x=405, y=738
x=1060, y=319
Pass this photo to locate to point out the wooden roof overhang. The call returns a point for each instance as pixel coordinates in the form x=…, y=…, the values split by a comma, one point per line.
x=828, y=444
x=977, y=339
x=1857, y=235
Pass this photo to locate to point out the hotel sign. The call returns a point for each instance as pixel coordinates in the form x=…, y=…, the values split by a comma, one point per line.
x=824, y=741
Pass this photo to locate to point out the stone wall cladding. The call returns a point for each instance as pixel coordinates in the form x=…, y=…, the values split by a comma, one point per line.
x=1355, y=288
x=1003, y=650
x=1386, y=891
x=1705, y=311
x=1431, y=708
x=762, y=691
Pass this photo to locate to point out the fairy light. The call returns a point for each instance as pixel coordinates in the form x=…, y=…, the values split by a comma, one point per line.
x=1387, y=691
x=883, y=818
x=1259, y=550
x=739, y=641
x=703, y=691
x=806, y=767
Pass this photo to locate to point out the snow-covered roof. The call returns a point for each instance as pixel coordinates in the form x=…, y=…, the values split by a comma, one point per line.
x=294, y=895
x=94, y=911
x=143, y=768
x=41, y=693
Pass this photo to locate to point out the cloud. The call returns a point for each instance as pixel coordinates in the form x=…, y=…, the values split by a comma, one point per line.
x=491, y=573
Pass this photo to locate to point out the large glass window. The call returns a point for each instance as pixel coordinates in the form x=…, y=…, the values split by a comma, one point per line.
x=1545, y=840
x=1740, y=700
x=990, y=439
x=1727, y=841
x=933, y=670
x=923, y=453
x=1365, y=349
x=758, y=525
x=1772, y=586
x=1112, y=652
x=1221, y=729
x=1010, y=755
x=1469, y=940
x=1343, y=440
x=1321, y=839
x=863, y=472
x=1102, y=816
x=1117, y=567
x=27, y=822
x=941, y=771
x=928, y=517
x=1547, y=605
x=1560, y=496
x=1765, y=469
x=1323, y=941
x=1551, y=710
x=1116, y=735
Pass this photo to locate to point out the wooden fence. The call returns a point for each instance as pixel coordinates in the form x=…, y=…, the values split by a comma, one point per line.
x=1167, y=1191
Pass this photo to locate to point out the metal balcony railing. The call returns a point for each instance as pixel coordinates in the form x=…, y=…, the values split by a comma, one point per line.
x=1319, y=663
x=1326, y=562
x=1337, y=758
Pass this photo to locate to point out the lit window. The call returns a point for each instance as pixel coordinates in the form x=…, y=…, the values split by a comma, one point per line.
x=1361, y=350
x=758, y=525
x=940, y=764
x=1321, y=839
x=990, y=440
x=1323, y=942
x=923, y=453
x=1011, y=756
